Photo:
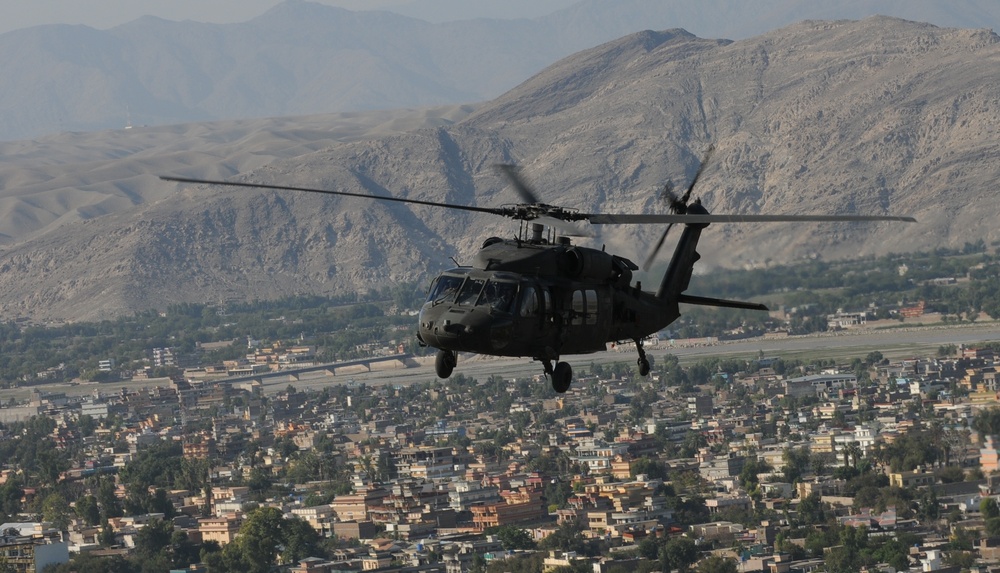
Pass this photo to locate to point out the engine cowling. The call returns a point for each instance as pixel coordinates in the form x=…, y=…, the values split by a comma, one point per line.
x=582, y=263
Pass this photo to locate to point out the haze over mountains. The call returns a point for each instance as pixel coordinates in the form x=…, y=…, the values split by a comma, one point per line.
x=876, y=116
x=307, y=58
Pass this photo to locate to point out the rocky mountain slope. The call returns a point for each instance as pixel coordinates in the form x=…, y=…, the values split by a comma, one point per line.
x=876, y=116
x=308, y=58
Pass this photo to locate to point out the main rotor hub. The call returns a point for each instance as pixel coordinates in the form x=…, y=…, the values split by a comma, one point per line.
x=533, y=211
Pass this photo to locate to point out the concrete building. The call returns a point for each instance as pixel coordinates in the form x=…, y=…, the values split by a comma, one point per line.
x=598, y=455
x=519, y=506
x=319, y=517
x=220, y=529
x=31, y=549
x=464, y=494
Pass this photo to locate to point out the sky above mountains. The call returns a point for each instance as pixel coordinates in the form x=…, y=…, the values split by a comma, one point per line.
x=103, y=14
x=732, y=19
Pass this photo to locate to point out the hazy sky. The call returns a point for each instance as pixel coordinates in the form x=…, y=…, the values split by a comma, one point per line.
x=103, y=14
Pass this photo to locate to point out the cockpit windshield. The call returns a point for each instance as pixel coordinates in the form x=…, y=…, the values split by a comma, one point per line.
x=470, y=292
x=467, y=291
x=444, y=289
x=499, y=295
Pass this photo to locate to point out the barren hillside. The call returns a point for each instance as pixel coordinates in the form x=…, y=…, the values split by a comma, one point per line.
x=876, y=116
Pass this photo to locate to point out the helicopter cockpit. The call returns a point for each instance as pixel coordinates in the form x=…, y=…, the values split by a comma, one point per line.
x=498, y=293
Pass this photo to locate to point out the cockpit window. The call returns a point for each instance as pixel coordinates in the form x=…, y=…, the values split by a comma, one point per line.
x=499, y=295
x=470, y=291
x=444, y=289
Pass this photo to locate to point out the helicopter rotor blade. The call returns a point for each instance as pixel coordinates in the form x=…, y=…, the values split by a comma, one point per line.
x=492, y=211
x=565, y=228
x=513, y=174
x=656, y=249
x=520, y=211
x=668, y=194
x=695, y=219
x=697, y=175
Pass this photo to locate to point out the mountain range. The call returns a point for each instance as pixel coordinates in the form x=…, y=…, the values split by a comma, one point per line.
x=307, y=58
x=874, y=116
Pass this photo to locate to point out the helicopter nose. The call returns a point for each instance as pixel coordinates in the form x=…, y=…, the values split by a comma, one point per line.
x=458, y=329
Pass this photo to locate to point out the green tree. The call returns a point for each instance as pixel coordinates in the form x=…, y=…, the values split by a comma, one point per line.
x=88, y=510
x=649, y=548
x=88, y=563
x=478, y=564
x=753, y=467
x=929, y=509
x=160, y=503
x=567, y=538
x=993, y=526
x=679, y=553
x=989, y=508
x=137, y=499
x=961, y=540
x=987, y=422
x=962, y=559
x=796, y=462
x=513, y=537
x=950, y=474
x=107, y=535
x=717, y=564
x=255, y=549
x=56, y=510
x=810, y=510
x=110, y=504
x=49, y=462
x=649, y=467
x=11, y=493
x=263, y=532
x=153, y=538
x=895, y=553
x=300, y=540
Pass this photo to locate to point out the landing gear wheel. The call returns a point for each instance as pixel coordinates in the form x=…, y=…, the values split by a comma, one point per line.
x=444, y=363
x=643, y=366
x=643, y=362
x=562, y=377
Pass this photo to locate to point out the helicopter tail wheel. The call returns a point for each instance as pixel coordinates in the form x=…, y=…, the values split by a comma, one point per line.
x=444, y=363
x=562, y=377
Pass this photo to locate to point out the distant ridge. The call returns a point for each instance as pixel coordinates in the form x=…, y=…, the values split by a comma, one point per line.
x=307, y=58
x=873, y=116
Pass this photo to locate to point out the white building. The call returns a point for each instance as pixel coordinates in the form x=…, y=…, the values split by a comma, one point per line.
x=598, y=455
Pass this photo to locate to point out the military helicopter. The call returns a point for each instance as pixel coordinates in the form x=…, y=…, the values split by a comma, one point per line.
x=538, y=295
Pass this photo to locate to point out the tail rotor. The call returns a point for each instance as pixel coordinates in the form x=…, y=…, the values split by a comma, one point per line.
x=677, y=205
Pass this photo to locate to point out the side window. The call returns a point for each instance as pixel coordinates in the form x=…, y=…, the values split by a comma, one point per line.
x=591, y=306
x=499, y=295
x=579, y=308
x=529, y=302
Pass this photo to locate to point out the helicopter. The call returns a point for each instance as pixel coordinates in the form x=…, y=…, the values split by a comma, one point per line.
x=538, y=295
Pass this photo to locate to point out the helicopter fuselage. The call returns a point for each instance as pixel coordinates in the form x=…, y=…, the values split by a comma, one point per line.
x=541, y=300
